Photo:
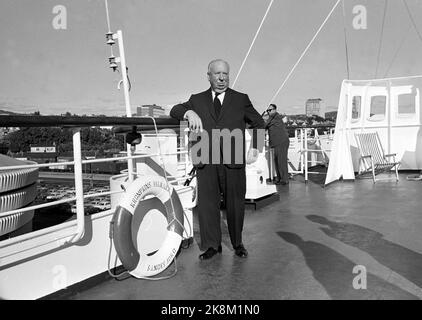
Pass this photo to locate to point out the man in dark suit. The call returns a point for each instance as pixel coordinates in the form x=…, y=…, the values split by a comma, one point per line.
x=214, y=114
x=279, y=142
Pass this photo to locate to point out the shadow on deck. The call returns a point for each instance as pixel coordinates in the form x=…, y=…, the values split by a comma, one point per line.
x=354, y=240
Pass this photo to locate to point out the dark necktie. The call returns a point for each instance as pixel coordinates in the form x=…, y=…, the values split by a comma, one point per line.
x=217, y=104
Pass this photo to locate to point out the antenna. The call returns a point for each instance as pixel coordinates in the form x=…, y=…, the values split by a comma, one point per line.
x=111, y=40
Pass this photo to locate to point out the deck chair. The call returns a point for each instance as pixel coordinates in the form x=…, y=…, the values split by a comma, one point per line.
x=372, y=158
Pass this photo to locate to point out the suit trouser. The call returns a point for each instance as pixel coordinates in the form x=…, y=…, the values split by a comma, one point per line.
x=280, y=161
x=214, y=179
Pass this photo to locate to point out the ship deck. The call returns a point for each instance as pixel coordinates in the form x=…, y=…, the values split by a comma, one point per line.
x=314, y=243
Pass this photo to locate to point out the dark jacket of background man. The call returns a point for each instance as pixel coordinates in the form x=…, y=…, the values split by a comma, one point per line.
x=277, y=131
x=279, y=141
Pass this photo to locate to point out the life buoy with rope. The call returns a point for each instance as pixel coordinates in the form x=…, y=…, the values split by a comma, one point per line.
x=137, y=263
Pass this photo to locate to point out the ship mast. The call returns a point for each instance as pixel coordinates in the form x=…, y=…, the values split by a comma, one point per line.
x=114, y=61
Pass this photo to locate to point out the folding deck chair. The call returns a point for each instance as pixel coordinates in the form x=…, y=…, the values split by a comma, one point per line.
x=372, y=157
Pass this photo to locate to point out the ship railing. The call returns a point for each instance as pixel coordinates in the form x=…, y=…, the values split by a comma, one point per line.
x=304, y=137
x=24, y=246
x=76, y=123
x=311, y=137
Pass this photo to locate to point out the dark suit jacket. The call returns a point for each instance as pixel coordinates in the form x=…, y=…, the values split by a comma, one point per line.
x=277, y=130
x=236, y=112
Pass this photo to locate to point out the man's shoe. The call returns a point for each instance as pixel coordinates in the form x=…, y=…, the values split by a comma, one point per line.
x=284, y=183
x=277, y=182
x=211, y=252
x=240, y=251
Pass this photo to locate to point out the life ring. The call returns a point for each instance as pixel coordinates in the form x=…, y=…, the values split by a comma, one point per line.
x=140, y=264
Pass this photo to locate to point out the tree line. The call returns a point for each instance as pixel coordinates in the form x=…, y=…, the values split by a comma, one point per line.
x=92, y=139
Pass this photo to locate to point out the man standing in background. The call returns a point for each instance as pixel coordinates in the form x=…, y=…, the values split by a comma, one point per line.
x=279, y=142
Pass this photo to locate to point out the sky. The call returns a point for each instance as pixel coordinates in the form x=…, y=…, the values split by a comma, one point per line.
x=168, y=44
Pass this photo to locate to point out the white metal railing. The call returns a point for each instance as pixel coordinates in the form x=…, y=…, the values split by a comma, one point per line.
x=91, y=195
x=303, y=137
x=306, y=151
x=79, y=197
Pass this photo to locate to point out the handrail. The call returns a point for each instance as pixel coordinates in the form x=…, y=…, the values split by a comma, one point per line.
x=313, y=126
x=81, y=121
x=70, y=199
x=53, y=203
x=71, y=163
x=95, y=121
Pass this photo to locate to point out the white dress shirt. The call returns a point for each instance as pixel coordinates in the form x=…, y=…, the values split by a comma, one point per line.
x=220, y=97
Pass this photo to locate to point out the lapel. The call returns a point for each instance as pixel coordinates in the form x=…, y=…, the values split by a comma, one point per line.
x=226, y=103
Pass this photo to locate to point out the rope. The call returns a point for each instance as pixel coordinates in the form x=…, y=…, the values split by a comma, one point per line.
x=108, y=24
x=395, y=55
x=165, y=176
x=404, y=38
x=381, y=36
x=413, y=21
x=345, y=41
x=107, y=15
x=253, y=41
x=116, y=276
x=303, y=53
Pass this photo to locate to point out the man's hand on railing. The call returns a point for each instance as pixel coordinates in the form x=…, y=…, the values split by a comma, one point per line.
x=195, y=122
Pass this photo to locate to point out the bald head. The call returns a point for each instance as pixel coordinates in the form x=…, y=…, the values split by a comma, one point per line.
x=218, y=75
x=218, y=61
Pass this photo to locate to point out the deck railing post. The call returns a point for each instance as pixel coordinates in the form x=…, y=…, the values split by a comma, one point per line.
x=185, y=134
x=119, y=37
x=79, y=187
x=306, y=153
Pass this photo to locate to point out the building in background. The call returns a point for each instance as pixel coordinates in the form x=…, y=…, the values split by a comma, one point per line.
x=331, y=115
x=150, y=110
x=35, y=148
x=315, y=107
x=42, y=153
